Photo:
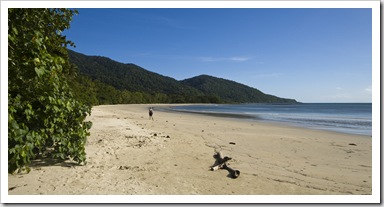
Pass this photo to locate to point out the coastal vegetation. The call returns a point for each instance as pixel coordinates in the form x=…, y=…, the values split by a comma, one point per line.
x=44, y=118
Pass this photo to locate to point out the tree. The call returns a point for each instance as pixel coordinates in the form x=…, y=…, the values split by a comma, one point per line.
x=43, y=116
x=84, y=90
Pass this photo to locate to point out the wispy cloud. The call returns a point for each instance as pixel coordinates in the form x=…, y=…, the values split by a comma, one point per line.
x=368, y=89
x=351, y=95
x=220, y=59
x=341, y=96
x=239, y=59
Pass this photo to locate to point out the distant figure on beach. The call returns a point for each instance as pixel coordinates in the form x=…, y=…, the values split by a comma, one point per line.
x=150, y=113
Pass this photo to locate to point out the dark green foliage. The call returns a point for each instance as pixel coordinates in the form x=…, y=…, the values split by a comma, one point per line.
x=230, y=91
x=99, y=93
x=43, y=116
x=84, y=89
x=111, y=82
x=128, y=76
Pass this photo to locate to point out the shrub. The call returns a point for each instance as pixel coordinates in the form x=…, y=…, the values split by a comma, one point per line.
x=43, y=116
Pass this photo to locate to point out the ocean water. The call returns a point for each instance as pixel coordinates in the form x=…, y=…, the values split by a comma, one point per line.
x=352, y=118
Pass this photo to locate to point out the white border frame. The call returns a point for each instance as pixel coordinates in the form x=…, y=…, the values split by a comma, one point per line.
x=376, y=94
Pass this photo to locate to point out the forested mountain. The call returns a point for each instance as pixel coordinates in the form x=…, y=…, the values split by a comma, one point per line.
x=105, y=81
x=128, y=76
x=230, y=91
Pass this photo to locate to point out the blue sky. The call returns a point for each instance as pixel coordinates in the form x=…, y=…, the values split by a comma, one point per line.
x=311, y=55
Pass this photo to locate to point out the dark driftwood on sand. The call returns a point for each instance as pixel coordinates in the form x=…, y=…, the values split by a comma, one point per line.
x=234, y=173
x=221, y=163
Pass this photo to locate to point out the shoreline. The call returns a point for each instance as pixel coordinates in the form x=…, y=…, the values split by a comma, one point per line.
x=253, y=118
x=129, y=154
x=214, y=114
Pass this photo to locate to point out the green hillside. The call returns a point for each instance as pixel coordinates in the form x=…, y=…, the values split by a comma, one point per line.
x=128, y=76
x=101, y=80
x=230, y=91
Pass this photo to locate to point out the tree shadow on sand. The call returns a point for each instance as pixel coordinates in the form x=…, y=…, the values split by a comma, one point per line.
x=46, y=161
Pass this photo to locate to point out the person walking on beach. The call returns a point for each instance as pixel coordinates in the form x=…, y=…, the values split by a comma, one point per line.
x=150, y=113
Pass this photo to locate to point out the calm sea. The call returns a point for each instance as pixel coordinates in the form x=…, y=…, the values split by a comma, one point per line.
x=353, y=118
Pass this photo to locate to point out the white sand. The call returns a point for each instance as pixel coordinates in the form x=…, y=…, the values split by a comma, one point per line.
x=125, y=157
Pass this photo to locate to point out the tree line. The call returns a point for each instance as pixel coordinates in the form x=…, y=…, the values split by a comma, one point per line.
x=95, y=92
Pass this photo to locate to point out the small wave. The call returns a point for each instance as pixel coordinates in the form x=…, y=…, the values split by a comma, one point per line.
x=348, y=118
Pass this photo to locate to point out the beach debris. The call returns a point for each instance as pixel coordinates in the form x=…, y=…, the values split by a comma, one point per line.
x=155, y=134
x=124, y=167
x=232, y=143
x=168, y=136
x=234, y=173
x=12, y=188
x=134, y=168
x=221, y=163
x=353, y=144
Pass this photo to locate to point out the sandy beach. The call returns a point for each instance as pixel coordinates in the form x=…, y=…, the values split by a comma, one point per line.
x=129, y=154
